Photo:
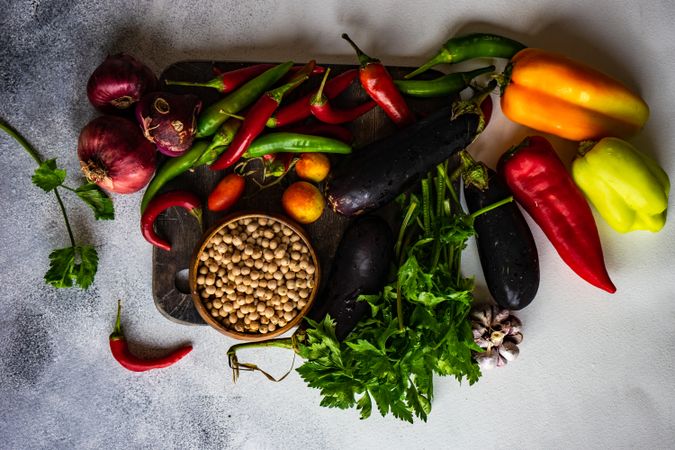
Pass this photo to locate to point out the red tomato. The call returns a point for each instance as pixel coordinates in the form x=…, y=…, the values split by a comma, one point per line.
x=226, y=193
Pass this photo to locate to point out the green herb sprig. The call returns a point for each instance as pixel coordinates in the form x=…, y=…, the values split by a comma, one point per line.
x=77, y=263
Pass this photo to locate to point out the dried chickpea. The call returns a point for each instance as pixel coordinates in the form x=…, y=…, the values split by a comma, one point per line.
x=239, y=327
x=228, y=307
x=289, y=315
x=203, y=270
x=254, y=326
x=200, y=279
x=215, y=313
x=282, y=323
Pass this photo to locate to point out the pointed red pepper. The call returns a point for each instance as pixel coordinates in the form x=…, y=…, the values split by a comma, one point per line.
x=300, y=109
x=322, y=109
x=162, y=202
x=541, y=184
x=120, y=351
x=378, y=83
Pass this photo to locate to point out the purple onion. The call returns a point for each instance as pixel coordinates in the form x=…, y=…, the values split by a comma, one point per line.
x=119, y=82
x=169, y=120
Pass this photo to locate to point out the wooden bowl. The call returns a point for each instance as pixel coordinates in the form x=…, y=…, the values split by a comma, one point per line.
x=194, y=266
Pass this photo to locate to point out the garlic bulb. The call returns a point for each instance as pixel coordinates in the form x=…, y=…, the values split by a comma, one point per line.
x=498, y=332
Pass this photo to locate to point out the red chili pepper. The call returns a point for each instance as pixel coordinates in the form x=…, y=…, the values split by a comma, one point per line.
x=256, y=118
x=226, y=193
x=377, y=82
x=541, y=184
x=227, y=81
x=323, y=129
x=120, y=351
x=322, y=109
x=300, y=109
x=162, y=202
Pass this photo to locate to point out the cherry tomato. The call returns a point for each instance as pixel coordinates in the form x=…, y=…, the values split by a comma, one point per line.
x=226, y=193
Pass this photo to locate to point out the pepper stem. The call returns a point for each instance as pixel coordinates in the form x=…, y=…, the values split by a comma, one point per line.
x=197, y=214
x=117, y=331
x=278, y=94
x=215, y=83
x=585, y=147
x=319, y=98
x=363, y=58
x=443, y=56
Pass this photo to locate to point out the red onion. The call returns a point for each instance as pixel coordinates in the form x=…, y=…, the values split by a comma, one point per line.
x=114, y=154
x=169, y=120
x=119, y=82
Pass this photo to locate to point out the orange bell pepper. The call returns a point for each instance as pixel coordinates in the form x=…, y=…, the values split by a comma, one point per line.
x=552, y=93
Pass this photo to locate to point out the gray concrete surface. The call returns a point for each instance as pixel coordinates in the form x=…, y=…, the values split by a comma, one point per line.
x=594, y=372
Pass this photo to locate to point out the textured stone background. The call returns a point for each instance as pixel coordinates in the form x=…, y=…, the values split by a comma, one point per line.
x=595, y=370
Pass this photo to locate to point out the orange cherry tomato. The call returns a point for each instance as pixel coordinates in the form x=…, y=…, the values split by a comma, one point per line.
x=226, y=193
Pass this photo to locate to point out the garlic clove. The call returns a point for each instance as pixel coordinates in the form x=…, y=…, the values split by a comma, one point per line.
x=501, y=362
x=483, y=343
x=500, y=315
x=516, y=338
x=487, y=359
x=482, y=316
x=509, y=351
x=478, y=331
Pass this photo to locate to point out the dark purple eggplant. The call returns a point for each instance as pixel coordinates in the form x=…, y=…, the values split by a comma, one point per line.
x=377, y=173
x=360, y=266
x=506, y=247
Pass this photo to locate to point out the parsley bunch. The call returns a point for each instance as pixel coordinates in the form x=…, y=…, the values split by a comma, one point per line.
x=76, y=263
x=419, y=324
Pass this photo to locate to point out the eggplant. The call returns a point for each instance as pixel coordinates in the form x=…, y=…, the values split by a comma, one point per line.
x=360, y=266
x=506, y=247
x=380, y=171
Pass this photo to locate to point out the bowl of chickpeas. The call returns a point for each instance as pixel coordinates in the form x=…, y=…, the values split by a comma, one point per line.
x=254, y=276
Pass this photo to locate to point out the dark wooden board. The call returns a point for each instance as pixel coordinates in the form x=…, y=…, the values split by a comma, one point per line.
x=170, y=269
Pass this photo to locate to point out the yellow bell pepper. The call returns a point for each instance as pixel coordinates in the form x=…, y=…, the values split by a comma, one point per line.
x=555, y=94
x=627, y=187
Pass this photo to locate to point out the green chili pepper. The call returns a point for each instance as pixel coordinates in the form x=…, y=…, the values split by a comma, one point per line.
x=627, y=187
x=171, y=169
x=477, y=45
x=221, y=140
x=444, y=85
x=219, y=112
x=294, y=143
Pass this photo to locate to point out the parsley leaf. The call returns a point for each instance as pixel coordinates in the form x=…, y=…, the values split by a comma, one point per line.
x=97, y=200
x=61, y=267
x=72, y=264
x=47, y=177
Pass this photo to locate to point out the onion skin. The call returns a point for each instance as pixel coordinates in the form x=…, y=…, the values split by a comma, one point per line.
x=169, y=120
x=114, y=154
x=119, y=82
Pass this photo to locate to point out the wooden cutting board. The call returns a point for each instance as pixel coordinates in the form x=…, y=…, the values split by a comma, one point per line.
x=170, y=269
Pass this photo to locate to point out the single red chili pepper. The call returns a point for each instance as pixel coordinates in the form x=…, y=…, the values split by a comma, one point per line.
x=541, y=184
x=120, y=351
x=227, y=81
x=161, y=203
x=300, y=109
x=255, y=120
x=323, y=129
x=378, y=83
x=322, y=109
